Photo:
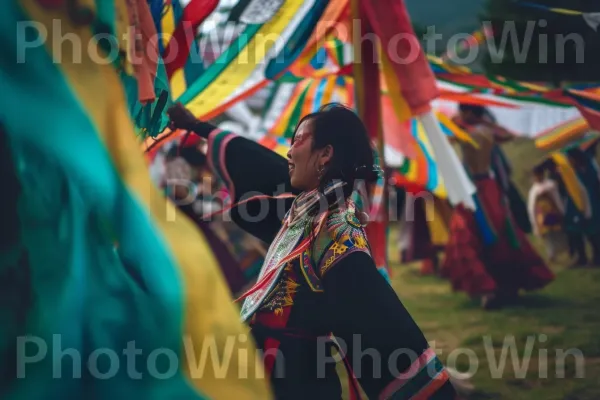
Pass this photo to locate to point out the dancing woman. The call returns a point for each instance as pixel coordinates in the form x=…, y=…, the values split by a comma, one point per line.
x=319, y=281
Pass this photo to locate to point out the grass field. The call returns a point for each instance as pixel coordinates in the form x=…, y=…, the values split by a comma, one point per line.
x=566, y=312
x=563, y=316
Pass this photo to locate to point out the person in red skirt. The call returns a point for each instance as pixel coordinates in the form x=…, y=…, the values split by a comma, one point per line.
x=487, y=255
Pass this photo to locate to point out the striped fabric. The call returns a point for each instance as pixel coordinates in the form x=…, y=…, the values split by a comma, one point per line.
x=217, y=142
x=495, y=84
x=423, y=378
x=307, y=97
x=562, y=134
x=165, y=291
x=179, y=30
x=178, y=26
x=588, y=103
x=310, y=94
x=434, y=182
x=304, y=65
x=244, y=60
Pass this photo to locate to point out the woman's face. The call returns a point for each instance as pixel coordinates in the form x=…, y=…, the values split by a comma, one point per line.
x=304, y=161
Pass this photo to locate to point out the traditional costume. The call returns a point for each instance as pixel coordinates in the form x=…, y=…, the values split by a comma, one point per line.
x=487, y=253
x=546, y=211
x=502, y=170
x=319, y=282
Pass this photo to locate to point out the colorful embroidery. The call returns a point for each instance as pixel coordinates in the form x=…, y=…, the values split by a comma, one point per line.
x=336, y=251
x=283, y=293
x=343, y=235
x=353, y=220
x=344, y=223
x=269, y=292
x=309, y=273
x=283, y=249
x=360, y=242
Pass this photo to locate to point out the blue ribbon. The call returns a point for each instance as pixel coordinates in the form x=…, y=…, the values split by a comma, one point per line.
x=487, y=232
x=297, y=42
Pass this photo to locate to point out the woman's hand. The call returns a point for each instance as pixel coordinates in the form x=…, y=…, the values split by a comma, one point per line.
x=181, y=117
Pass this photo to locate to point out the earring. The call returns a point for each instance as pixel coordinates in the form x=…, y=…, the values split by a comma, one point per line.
x=320, y=171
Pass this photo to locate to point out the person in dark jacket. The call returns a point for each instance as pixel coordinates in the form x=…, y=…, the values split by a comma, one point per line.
x=319, y=286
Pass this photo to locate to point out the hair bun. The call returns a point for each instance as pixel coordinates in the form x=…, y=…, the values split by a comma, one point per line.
x=366, y=173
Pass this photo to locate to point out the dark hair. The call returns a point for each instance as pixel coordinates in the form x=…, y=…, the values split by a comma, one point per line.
x=478, y=111
x=576, y=153
x=550, y=165
x=340, y=127
x=539, y=170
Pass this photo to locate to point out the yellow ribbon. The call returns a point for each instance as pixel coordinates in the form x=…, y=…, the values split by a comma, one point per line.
x=242, y=67
x=569, y=177
x=392, y=85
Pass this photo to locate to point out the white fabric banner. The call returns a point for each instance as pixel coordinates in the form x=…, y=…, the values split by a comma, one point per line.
x=528, y=120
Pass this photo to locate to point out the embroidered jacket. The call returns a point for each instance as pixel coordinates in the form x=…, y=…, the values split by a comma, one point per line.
x=319, y=287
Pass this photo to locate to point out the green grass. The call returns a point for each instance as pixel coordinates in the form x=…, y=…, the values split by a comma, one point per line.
x=523, y=156
x=566, y=312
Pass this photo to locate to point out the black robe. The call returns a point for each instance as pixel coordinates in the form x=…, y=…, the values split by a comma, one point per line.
x=342, y=295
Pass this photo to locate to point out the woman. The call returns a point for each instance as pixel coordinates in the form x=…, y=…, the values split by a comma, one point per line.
x=487, y=255
x=318, y=279
x=502, y=172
